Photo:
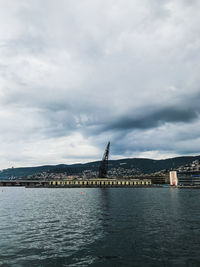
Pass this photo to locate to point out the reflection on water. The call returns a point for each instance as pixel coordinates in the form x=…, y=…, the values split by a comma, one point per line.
x=100, y=227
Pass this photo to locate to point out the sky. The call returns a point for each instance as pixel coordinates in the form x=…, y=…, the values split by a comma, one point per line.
x=75, y=74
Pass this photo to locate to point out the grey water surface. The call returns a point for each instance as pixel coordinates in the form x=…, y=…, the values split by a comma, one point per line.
x=99, y=227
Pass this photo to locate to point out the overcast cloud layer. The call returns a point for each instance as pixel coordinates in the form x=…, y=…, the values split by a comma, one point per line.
x=75, y=74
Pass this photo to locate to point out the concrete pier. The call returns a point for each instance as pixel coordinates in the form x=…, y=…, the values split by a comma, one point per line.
x=69, y=183
x=100, y=182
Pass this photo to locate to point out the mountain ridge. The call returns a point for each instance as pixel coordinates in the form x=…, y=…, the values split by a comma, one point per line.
x=142, y=165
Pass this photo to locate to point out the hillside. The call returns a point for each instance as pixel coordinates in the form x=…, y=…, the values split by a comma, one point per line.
x=140, y=164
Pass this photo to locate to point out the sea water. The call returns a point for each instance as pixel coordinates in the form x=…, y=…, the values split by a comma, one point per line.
x=99, y=227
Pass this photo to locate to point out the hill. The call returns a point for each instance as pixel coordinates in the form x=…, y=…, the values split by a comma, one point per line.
x=142, y=165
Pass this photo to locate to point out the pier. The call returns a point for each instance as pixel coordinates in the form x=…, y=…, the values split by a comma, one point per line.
x=70, y=183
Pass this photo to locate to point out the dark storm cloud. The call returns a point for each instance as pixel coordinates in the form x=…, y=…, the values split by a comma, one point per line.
x=153, y=119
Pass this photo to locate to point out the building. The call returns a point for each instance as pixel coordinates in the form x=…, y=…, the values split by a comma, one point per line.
x=159, y=178
x=99, y=182
x=185, y=178
x=173, y=178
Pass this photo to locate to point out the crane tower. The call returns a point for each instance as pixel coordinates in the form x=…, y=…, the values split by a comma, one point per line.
x=104, y=163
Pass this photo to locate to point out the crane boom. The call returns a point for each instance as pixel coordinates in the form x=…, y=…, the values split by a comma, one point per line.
x=104, y=163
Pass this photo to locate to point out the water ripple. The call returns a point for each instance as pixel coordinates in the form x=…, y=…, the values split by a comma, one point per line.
x=111, y=227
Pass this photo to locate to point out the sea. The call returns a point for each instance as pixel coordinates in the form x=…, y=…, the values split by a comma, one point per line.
x=99, y=227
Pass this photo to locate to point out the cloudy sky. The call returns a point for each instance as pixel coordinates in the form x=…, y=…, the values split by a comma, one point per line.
x=75, y=74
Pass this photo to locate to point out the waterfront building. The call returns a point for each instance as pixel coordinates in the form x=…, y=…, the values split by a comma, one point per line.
x=173, y=178
x=159, y=178
x=99, y=182
x=185, y=178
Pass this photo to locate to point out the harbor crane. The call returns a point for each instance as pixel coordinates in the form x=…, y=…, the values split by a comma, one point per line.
x=104, y=163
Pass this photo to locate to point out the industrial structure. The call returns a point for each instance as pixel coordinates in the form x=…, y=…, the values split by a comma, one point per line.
x=103, y=169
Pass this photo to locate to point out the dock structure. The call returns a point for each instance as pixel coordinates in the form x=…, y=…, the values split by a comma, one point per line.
x=100, y=182
x=70, y=183
x=24, y=183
